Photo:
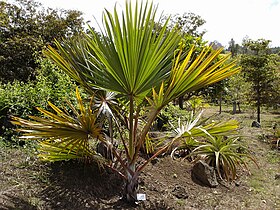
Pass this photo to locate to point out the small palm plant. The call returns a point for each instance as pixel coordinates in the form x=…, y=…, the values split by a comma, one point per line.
x=194, y=131
x=224, y=154
x=144, y=68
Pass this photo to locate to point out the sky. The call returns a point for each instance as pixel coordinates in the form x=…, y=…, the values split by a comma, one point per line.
x=225, y=19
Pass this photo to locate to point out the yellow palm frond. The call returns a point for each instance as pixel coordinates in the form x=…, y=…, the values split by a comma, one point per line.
x=70, y=135
x=190, y=75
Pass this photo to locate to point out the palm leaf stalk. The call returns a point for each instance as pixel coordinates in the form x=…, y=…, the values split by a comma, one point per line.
x=143, y=68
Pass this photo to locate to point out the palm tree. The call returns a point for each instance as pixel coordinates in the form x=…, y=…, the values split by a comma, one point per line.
x=144, y=69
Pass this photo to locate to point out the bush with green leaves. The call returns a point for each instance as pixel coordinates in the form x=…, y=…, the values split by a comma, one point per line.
x=168, y=117
x=21, y=99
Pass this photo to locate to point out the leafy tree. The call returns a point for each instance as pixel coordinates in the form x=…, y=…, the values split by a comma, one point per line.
x=25, y=28
x=140, y=71
x=238, y=91
x=273, y=93
x=188, y=23
x=233, y=47
x=258, y=70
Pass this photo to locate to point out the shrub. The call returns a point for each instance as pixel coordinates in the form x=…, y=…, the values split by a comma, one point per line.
x=21, y=99
x=170, y=115
x=196, y=104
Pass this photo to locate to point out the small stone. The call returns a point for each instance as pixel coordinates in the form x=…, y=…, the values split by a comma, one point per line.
x=175, y=176
x=237, y=183
x=205, y=174
x=180, y=192
x=154, y=161
x=264, y=201
x=256, y=124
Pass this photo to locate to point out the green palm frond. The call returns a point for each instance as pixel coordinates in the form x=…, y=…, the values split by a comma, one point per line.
x=129, y=57
x=216, y=128
x=73, y=62
x=193, y=128
x=61, y=132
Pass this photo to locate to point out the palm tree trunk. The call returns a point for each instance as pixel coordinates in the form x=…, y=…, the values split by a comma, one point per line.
x=131, y=148
x=131, y=187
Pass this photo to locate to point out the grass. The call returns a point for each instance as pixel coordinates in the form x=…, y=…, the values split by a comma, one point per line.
x=273, y=156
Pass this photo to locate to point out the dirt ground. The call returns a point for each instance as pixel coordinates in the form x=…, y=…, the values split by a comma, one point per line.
x=26, y=183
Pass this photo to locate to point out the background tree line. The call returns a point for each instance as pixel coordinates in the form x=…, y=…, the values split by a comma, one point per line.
x=27, y=79
x=26, y=27
x=259, y=79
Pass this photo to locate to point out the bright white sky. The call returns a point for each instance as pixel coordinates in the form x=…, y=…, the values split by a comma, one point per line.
x=225, y=19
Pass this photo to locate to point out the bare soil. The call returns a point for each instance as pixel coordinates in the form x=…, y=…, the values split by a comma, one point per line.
x=26, y=183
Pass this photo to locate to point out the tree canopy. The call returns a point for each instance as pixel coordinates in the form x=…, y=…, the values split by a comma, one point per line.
x=259, y=68
x=25, y=28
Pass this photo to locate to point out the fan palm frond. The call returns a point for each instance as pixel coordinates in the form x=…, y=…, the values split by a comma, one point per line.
x=62, y=133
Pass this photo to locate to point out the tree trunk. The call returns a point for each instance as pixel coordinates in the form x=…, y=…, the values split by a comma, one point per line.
x=238, y=105
x=258, y=105
x=131, y=185
x=131, y=188
x=181, y=102
x=220, y=104
x=234, y=107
